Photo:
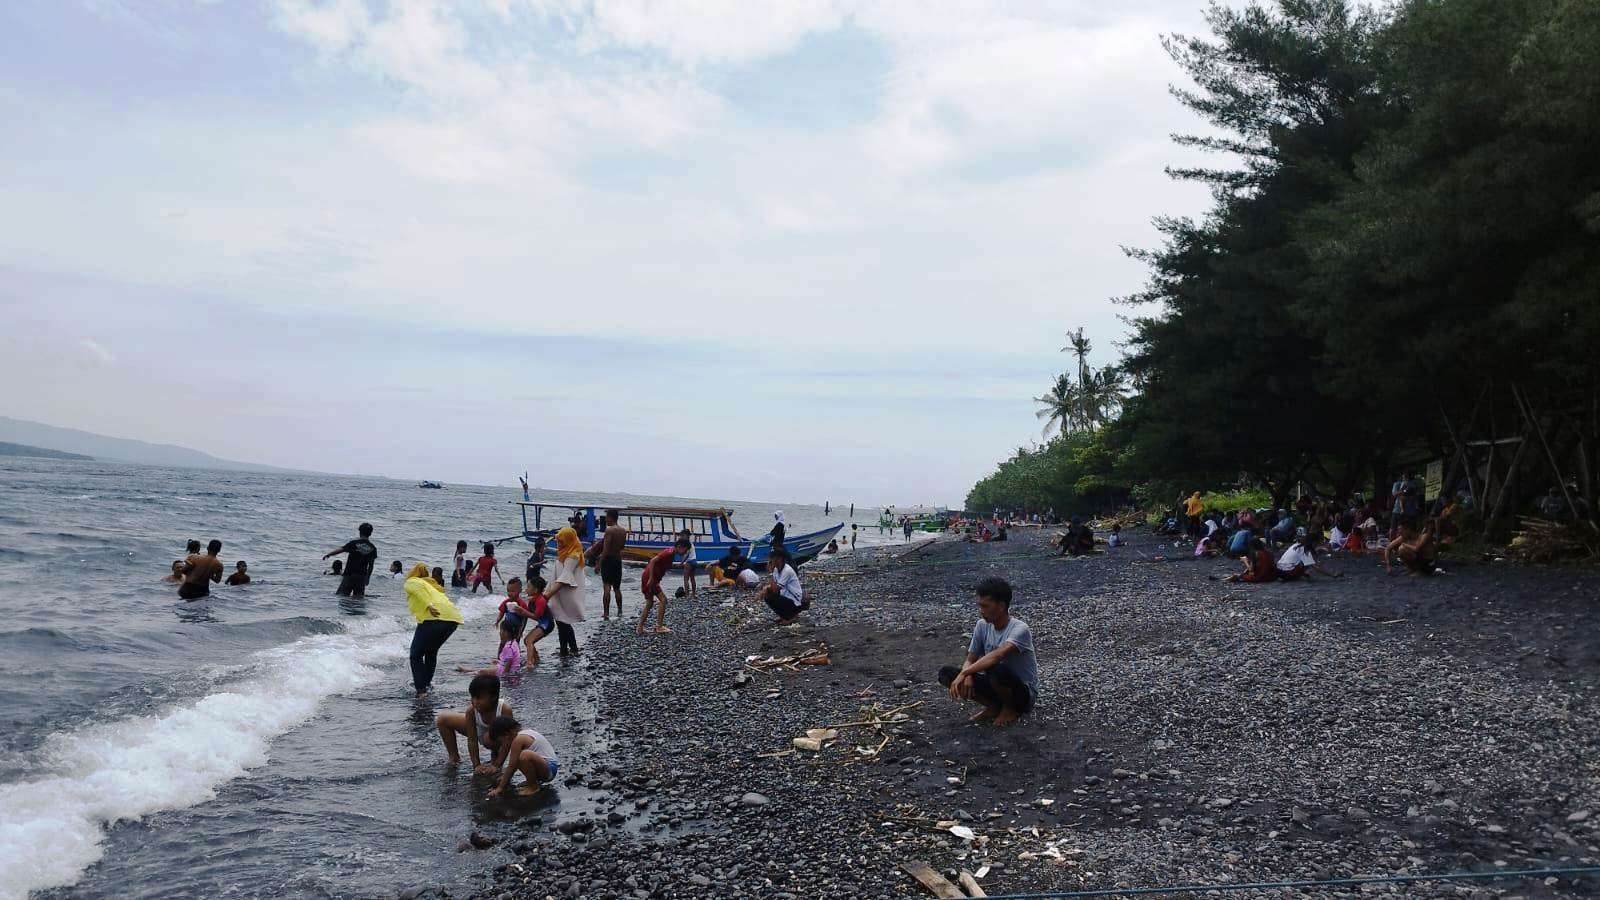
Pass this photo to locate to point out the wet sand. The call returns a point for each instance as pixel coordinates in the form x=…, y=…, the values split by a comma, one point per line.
x=1189, y=730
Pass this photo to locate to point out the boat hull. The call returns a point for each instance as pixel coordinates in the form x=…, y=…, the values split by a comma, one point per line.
x=802, y=548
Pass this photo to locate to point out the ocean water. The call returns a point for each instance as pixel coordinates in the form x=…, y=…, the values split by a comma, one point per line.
x=265, y=740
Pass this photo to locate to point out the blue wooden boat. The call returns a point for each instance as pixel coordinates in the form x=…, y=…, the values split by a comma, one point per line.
x=652, y=529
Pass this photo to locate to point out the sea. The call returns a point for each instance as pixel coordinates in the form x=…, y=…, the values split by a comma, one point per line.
x=264, y=741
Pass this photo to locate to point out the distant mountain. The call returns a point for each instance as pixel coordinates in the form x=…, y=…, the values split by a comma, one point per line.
x=9, y=449
x=37, y=435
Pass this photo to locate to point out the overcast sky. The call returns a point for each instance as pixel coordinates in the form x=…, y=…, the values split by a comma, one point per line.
x=759, y=250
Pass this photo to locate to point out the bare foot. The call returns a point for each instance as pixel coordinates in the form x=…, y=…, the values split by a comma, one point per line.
x=1006, y=717
x=455, y=760
x=662, y=629
x=982, y=715
x=639, y=630
x=528, y=790
x=606, y=617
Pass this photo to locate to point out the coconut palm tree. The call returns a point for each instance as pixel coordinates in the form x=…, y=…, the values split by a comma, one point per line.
x=1059, y=407
x=1078, y=346
x=1104, y=394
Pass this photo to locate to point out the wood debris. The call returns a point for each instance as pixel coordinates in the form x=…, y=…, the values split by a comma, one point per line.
x=817, y=656
x=936, y=884
x=1543, y=540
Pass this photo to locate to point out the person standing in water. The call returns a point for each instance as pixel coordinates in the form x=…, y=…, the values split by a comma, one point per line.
x=458, y=574
x=566, y=589
x=437, y=619
x=200, y=571
x=363, y=555
x=610, y=565
x=485, y=571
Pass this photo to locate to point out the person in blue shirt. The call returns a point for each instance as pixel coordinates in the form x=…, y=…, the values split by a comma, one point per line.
x=1239, y=544
x=1000, y=673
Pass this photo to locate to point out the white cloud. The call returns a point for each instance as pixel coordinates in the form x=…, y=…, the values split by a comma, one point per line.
x=329, y=24
x=584, y=167
x=97, y=352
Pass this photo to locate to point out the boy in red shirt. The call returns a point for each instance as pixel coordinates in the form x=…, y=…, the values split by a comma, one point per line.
x=650, y=583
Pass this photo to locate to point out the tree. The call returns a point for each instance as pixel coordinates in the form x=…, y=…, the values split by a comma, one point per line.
x=1059, y=406
x=1078, y=346
x=1231, y=379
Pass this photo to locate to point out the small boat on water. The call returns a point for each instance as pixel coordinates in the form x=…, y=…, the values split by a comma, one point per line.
x=434, y=485
x=652, y=529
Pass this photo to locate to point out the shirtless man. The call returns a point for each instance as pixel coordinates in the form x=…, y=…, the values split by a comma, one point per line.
x=200, y=571
x=611, y=545
x=1417, y=550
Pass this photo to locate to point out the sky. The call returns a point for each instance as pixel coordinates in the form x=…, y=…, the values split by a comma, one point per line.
x=793, y=250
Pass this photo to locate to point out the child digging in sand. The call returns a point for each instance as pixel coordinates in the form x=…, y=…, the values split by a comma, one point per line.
x=484, y=708
x=522, y=750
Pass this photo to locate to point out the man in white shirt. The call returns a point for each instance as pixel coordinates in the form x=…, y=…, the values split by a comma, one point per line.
x=783, y=593
x=1001, y=672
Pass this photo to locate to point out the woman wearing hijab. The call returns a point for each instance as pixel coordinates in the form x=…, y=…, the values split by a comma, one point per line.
x=777, y=530
x=437, y=619
x=566, y=588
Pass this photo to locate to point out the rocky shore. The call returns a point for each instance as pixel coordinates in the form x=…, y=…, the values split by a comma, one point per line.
x=1189, y=731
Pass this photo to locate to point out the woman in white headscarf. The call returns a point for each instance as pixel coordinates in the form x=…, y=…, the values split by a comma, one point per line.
x=777, y=530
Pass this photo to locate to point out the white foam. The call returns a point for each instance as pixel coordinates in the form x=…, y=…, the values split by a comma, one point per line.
x=51, y=828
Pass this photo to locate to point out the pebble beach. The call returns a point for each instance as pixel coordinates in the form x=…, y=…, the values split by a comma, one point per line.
x=1189, y=731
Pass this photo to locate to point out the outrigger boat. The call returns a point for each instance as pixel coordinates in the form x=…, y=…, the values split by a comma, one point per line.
x=652, y=529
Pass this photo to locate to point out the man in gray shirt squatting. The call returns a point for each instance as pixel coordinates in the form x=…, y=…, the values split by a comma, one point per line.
x=1001, y=672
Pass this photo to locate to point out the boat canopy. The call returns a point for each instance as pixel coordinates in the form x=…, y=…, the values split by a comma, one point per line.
x=704, y=522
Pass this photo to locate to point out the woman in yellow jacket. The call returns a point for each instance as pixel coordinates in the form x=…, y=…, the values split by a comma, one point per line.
x=437, y=619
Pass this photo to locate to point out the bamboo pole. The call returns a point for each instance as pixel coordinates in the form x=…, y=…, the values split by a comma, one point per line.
x=1533, y=423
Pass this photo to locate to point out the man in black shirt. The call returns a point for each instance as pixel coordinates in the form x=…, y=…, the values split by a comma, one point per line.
x=726, y=570
x=363, y=555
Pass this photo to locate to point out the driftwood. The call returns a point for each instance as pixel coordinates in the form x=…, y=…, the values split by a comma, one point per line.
x=936, y=884
x=971, y=884
x=873, y=717
x=817, y=656
x=1543, y=540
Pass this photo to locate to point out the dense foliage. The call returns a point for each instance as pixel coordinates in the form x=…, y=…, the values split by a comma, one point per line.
x=1405, y=234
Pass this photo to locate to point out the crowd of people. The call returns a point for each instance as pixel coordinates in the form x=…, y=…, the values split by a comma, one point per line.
x=532, y=608
x=1282, y=544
